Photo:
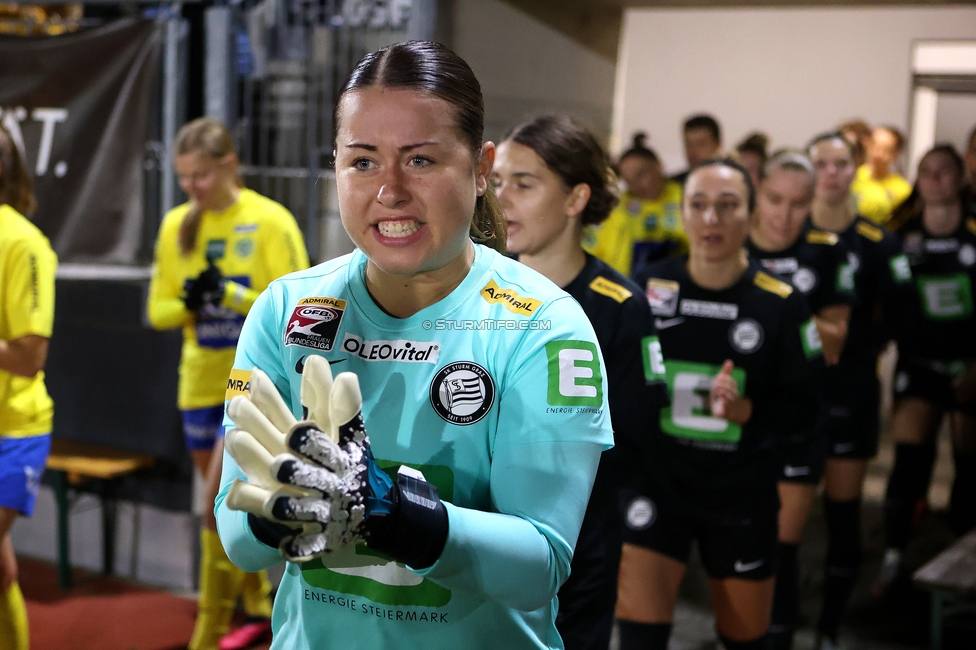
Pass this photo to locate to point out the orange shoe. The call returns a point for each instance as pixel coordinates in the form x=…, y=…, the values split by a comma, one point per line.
x=246, y=636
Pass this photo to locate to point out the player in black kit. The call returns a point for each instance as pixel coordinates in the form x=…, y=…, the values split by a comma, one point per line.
x=935, y=374
x=815, y=263
x=743, y=359
x=882, y=287
x=552, y=178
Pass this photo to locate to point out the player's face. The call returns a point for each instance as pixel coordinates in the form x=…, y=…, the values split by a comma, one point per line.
x=883, y=148
x=407, y=179
x=206, y=180
x=715, y=212
x=644, y=178
x=535, y=200
x=782, y=206
x=700, y=146
x=938, y=180
x=835, y=170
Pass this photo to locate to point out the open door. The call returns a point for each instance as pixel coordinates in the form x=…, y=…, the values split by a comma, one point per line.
x=943, y=106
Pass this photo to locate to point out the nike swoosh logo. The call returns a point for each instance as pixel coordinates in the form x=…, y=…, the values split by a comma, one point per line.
x=789, y=470
x=671, y=322
x=300, y=366
x=740, y=567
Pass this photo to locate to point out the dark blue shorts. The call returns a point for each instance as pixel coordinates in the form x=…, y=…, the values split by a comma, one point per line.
x=202, y=427
x=22, y=462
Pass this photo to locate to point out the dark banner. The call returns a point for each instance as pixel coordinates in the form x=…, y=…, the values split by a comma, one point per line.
x=80, y=107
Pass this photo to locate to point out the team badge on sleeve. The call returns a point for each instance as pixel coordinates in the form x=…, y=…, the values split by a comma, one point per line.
x=663, y=296
x=314, y=323
x=462, y=393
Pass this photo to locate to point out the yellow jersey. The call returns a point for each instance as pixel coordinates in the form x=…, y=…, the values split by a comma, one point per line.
x=27, y=268
x=639, y=231
x=253, y=242
x=876, y=199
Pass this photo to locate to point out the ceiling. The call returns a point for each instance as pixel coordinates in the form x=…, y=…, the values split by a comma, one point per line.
x=595, y=24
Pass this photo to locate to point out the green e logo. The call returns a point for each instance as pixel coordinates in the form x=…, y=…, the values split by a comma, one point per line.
x=575, y=377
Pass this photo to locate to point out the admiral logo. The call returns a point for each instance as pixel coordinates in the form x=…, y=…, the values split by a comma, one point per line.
x=610, y=289
x=709, y=309
x=239, y=383
x=314, y=323
x=512, y=300
x=663, y=296
x=399, y=350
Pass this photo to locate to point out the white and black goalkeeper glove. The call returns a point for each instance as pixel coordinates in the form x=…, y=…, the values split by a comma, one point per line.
x=313, y=486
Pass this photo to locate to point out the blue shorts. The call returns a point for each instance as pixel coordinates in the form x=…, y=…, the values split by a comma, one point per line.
x=22, y=462
x=202, y=427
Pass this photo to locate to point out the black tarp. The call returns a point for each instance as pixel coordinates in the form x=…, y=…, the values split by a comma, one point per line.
x=80, y=106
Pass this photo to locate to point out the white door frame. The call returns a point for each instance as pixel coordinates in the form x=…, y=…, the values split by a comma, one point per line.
x=937, y=66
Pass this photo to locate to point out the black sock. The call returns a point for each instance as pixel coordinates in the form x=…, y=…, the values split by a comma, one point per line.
x=762, y=643
x=908, y=483
x=962, y=505
x=643, y=636
x=786, y=598
x=843, y=561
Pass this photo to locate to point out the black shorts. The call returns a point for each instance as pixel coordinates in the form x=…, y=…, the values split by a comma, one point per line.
x=931, y=381
x=852, y=397
x=743, y=548
x=804, y=462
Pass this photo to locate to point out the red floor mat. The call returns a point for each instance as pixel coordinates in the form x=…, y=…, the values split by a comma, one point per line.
x=101, y=613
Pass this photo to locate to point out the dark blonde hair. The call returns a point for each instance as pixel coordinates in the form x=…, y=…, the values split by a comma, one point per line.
x=207, y=136
x=430, y=67
x=16, y=185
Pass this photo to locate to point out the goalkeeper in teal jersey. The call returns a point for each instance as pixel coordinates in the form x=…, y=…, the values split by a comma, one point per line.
x=445, y=515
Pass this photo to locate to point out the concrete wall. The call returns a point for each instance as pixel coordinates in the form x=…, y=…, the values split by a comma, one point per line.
x=527, y=68
x=792, y=72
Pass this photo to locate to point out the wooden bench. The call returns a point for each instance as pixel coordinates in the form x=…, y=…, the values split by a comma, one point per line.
x=951, y=578
x=72, y=464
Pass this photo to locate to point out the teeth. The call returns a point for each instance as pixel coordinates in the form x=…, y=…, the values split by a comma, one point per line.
x=403, y=228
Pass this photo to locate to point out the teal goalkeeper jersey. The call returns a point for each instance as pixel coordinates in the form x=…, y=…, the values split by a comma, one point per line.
x=497, y=394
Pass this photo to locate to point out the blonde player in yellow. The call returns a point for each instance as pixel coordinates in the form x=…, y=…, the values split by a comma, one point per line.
x=214, y=255
x=27, y=266
x=646, y=224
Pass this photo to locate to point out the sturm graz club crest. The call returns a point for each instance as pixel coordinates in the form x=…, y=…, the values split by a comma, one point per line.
x=462, y=392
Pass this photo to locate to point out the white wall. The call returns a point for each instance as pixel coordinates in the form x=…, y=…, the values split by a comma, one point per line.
x=527, y=68
x=792, y=72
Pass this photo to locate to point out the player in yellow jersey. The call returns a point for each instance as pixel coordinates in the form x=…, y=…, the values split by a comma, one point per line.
x=879, y=188
x=27, y=266
x=646, y=224
x=214, y=255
